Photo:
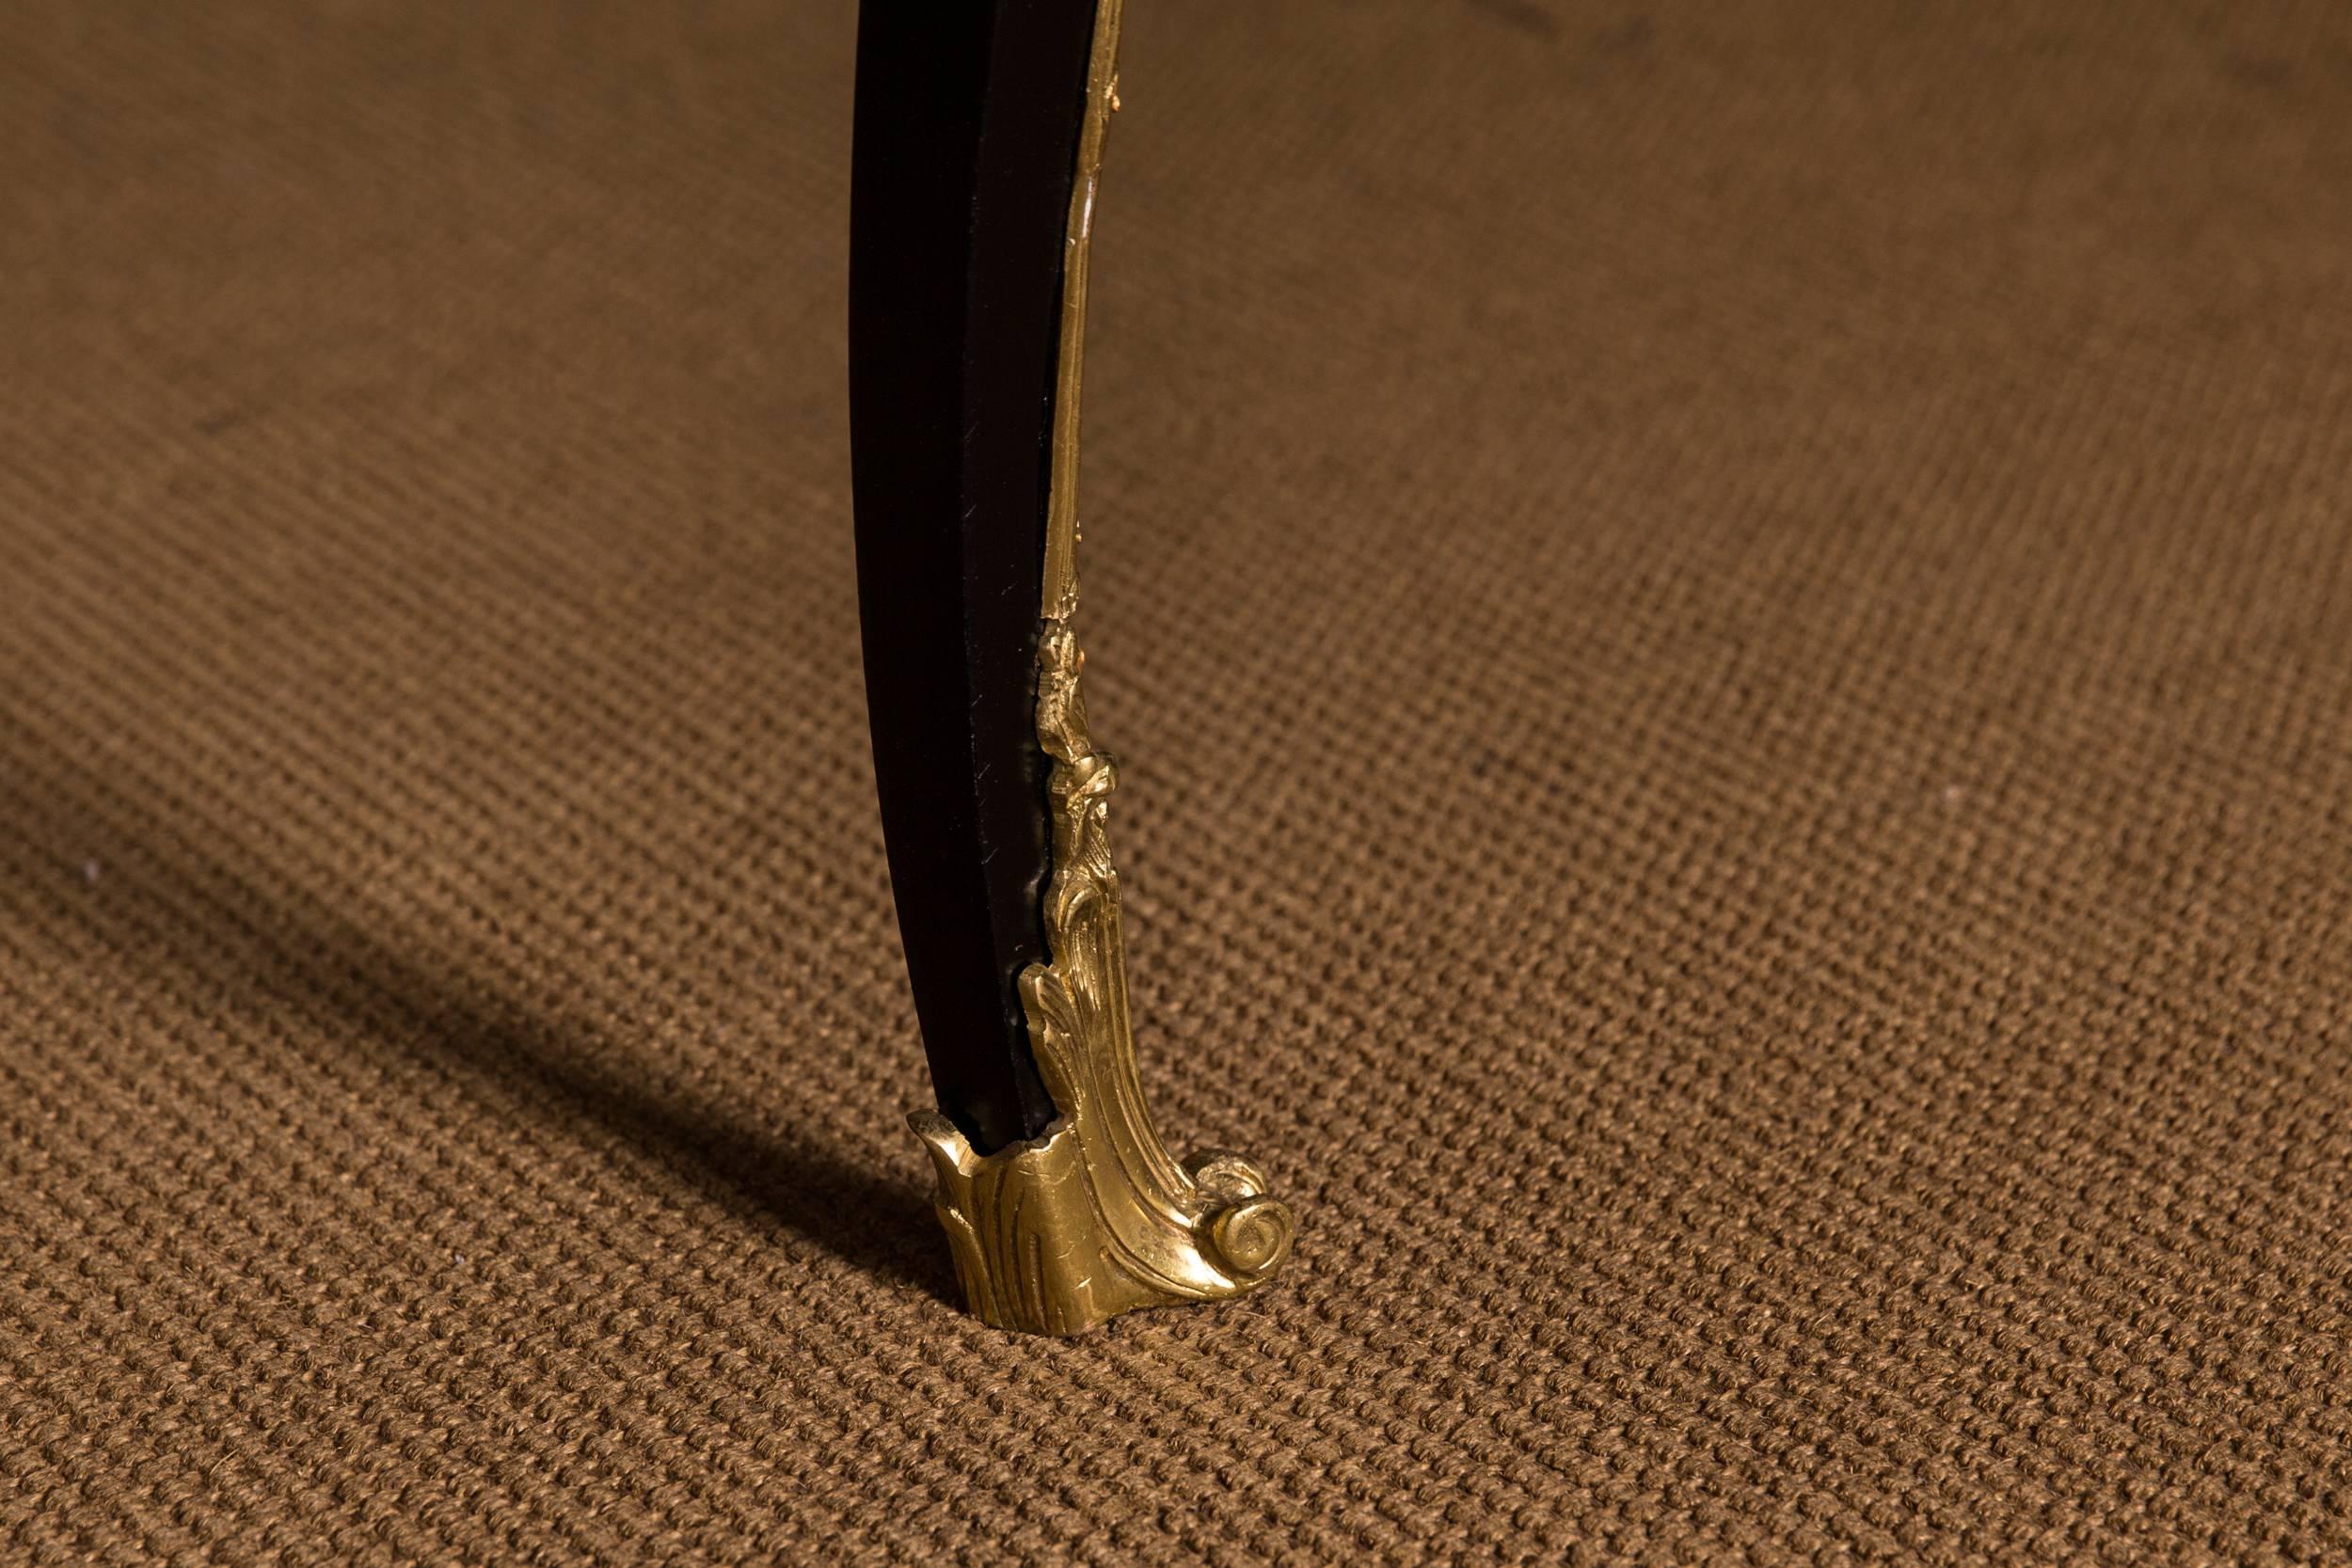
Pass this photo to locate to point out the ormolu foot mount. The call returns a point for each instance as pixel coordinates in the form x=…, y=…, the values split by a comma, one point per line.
x=979, y=143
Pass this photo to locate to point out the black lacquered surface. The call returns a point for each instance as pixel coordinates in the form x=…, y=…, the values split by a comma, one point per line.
x=968, y=124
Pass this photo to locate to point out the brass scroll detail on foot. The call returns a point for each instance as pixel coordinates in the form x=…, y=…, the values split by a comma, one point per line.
x=1095, y=1218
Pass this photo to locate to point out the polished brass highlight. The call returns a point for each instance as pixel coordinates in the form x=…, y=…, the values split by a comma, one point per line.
x=1095, y=1218
x=1060, y=598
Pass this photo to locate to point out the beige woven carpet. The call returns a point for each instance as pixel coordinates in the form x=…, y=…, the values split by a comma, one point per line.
x=1733, y=630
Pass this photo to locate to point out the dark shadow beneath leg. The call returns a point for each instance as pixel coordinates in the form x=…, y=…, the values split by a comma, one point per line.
x=188, y=906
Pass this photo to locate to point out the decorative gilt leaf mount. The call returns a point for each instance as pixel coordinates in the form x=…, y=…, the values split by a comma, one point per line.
x=1095, y=1218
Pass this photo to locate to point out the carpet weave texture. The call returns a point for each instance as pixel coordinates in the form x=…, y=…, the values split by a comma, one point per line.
x=1730, y=626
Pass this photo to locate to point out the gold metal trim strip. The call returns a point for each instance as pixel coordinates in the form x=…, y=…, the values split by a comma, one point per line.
x=1095, y=1218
